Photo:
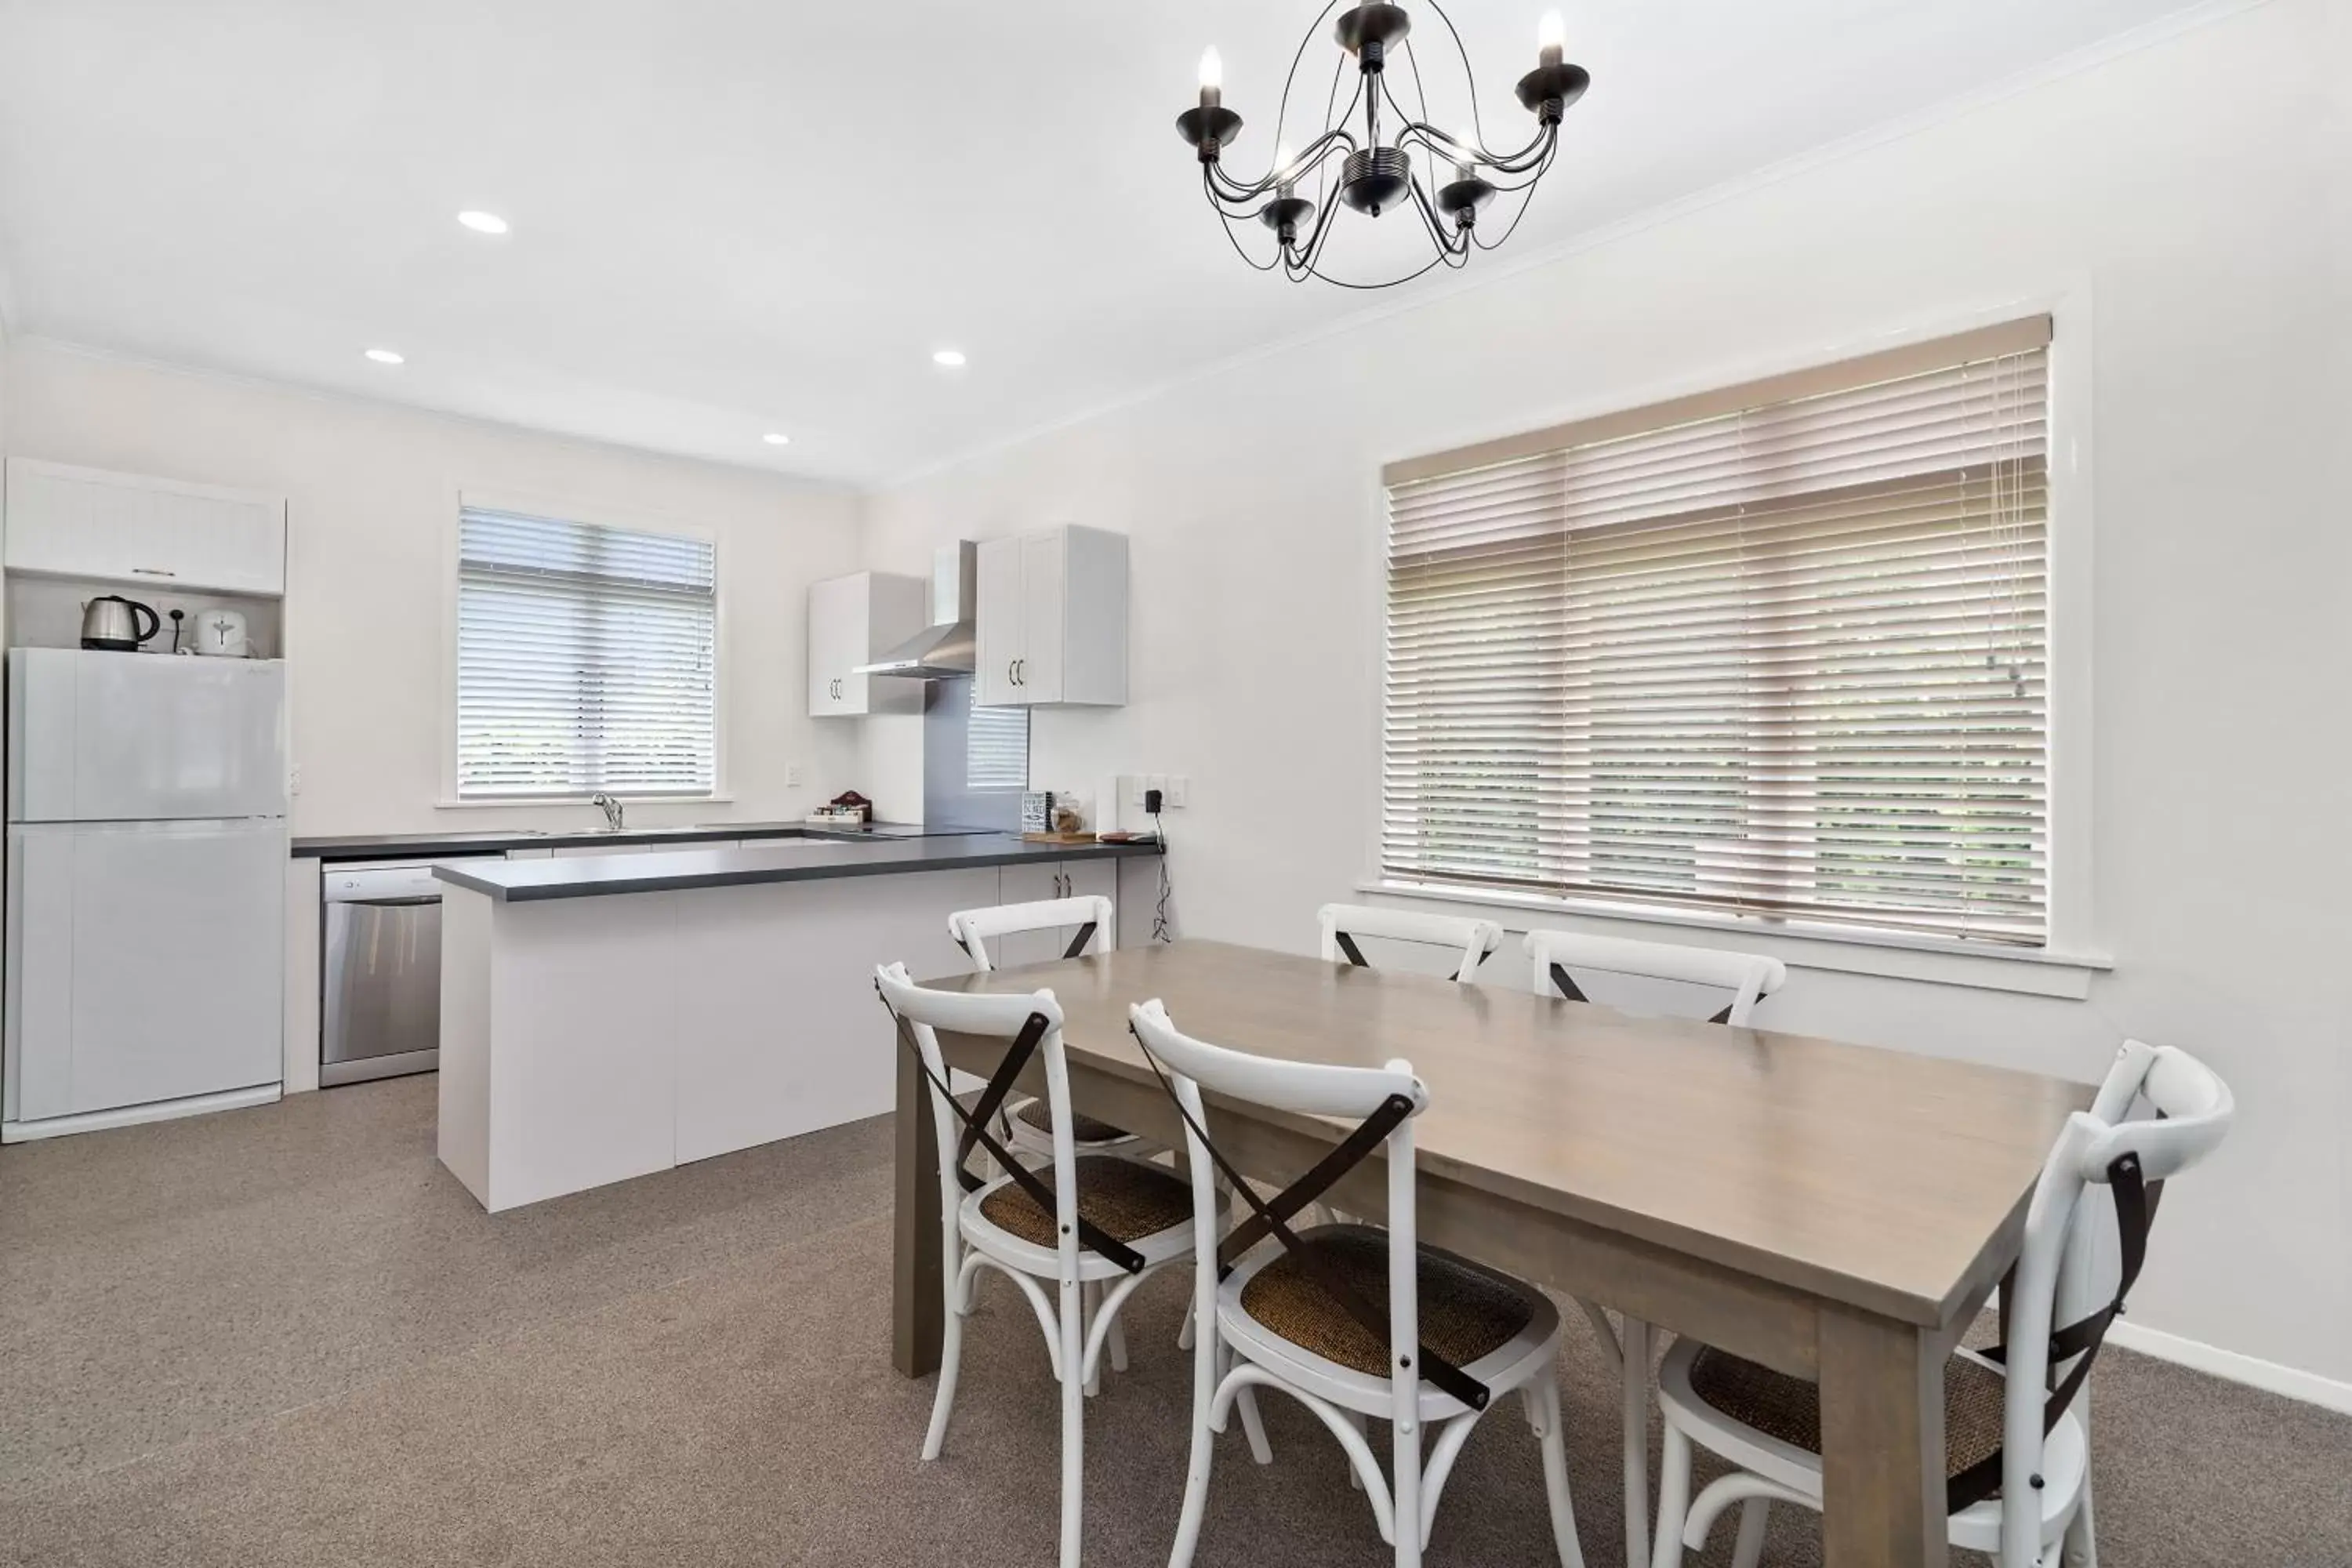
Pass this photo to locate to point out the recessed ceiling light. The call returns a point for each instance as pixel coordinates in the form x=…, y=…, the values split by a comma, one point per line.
x=952, y=358
x=483, y=223
x=384, y=356
x=777, y=438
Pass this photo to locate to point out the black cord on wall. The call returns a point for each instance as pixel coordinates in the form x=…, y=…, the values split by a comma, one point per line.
x=1163, y=913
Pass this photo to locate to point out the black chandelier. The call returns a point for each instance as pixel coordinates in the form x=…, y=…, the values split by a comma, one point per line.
x=1375, y=176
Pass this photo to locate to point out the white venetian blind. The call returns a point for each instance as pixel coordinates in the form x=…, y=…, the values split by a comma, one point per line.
x=996, y=746
x=586, y=658
x=1779, y=652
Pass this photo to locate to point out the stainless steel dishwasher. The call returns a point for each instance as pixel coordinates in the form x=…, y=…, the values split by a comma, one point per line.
x=379, y=984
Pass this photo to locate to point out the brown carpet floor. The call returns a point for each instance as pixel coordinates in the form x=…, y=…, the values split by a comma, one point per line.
x=286, y=1336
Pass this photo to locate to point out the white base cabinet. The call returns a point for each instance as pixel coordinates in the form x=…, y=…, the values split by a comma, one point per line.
x=1051, y=627
x=590, y=1040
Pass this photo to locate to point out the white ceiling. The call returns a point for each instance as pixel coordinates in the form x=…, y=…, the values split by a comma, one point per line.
x=732, y=216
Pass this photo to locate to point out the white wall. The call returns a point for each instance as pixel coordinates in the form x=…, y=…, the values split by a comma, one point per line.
x=2191, y=193
x=372, y=494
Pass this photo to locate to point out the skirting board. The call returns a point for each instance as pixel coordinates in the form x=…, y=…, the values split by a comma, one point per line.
x=2307, y=1386
x=132, y=1115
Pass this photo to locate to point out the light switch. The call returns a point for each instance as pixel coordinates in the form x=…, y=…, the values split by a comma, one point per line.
x=791, y=775
x=1179, y=788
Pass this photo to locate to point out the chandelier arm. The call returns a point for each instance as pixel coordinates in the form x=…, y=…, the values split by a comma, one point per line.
x=1234, y=190
x=1536, y=152
x=1428, y=267
x=1524, y=202
x=1281, y=114
x=1420, y=91
x=1312, y=251
x=1298, y=265
x=1440, y=145
x=1477, y=126
x=1338, y=122
x=1225, y=222
x=1454, y=244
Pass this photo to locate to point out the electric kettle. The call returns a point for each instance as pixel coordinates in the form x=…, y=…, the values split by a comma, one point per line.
x=112, y=621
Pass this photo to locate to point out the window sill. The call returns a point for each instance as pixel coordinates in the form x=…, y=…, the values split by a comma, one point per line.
x=525, y=802
x=1938, y=961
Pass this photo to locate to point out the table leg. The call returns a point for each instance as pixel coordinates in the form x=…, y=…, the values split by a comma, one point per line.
x=1882, y=1443
x=916, y=1303
x=1635, y=1365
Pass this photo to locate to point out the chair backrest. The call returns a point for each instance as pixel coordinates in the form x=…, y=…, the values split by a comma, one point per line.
x=922, y=1013
x=1314, y=1089
x=1092, y=914
x=1749, y=977
x=2067, y=1269
x=1473, y=939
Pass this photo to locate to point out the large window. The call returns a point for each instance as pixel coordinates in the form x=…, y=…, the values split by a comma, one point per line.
x=586, y=660
x=1778, y=652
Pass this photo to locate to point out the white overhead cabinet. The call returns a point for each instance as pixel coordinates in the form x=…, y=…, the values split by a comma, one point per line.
x=856, y=620
x=1053, y=620
x=162, y=535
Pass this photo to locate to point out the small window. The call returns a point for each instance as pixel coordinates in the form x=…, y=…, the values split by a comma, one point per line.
x=1780, y=652
x=586, y=660
x=996, y=746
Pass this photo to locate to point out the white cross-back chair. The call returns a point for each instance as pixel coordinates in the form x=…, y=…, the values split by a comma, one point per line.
x=1473, y=939
x=1561, y=957
x=1282, y=1319
x=1077, y=1246
x=1028, y=1121
x=2079, y=1257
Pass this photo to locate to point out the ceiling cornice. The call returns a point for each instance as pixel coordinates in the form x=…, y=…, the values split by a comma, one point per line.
x=802, y=482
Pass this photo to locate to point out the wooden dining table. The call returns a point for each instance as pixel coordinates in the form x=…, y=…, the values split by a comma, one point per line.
x=1836, y=1212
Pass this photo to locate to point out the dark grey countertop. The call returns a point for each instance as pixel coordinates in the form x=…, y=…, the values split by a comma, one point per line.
x=498, y=840
x=590, y=875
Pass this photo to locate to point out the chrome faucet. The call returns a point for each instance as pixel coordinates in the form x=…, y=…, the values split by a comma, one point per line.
x=610, y=808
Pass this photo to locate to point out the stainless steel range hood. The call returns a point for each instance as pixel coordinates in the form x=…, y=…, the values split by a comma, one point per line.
x=945, y=649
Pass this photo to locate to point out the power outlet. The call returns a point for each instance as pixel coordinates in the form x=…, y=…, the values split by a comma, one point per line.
x=791, y=775
x=1178, y=791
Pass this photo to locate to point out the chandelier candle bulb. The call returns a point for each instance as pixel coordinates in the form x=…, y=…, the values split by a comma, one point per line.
x=1213, y=79
x=1551, y=39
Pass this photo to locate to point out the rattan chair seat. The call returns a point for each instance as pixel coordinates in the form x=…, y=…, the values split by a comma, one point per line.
x=1467, y=1312
x=1124, y=1199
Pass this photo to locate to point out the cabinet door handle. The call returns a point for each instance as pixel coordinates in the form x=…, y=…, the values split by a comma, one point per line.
x=151, y=572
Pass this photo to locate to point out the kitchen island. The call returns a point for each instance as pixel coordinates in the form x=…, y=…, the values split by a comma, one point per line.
x=603, y=1017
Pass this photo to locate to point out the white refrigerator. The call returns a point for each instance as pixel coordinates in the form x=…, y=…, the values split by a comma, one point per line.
x=145, y=888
